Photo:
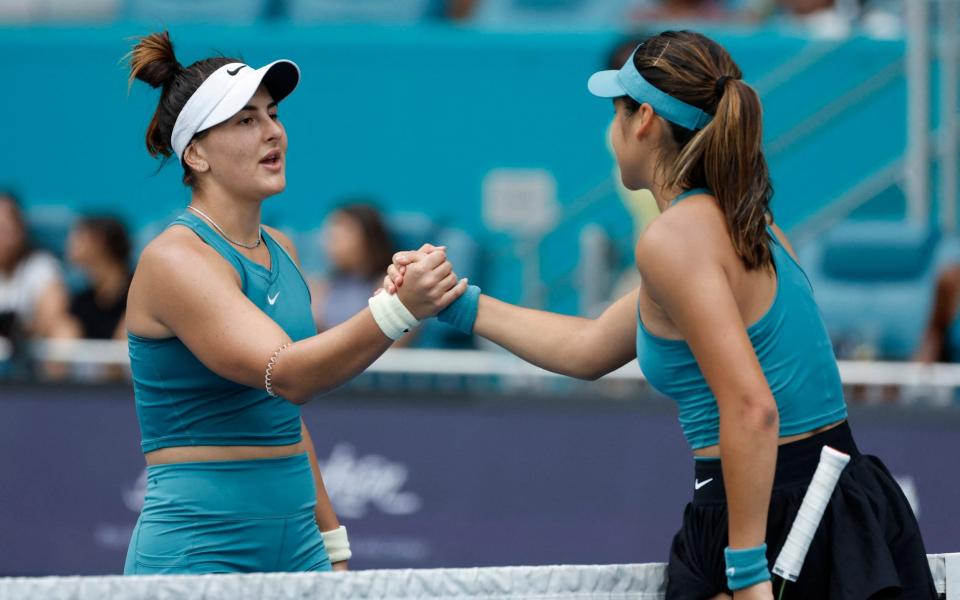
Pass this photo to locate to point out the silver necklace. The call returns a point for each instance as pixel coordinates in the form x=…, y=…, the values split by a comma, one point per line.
x=224, y=233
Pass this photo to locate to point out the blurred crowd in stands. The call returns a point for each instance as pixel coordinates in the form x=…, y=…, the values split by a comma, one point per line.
x=827, y=17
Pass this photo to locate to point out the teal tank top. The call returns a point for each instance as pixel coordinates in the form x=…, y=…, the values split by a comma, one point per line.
x=791, y=343
x=180, y=402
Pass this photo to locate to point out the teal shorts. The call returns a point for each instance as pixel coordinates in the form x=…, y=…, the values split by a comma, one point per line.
x=228, y=517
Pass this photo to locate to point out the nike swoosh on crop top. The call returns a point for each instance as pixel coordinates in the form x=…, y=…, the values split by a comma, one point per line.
x=180, y=402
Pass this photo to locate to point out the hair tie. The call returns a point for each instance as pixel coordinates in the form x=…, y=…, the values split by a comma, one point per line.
x=721, y=84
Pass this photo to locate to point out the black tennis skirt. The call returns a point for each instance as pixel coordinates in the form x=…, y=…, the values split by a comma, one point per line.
x=868, y=544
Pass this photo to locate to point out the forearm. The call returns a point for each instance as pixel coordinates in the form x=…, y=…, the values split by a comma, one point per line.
x=941, y=317
x=554, y=342
x=52, y=311
x=326, y=517
x=931, y=346
x=748, y=451
x=325, y=361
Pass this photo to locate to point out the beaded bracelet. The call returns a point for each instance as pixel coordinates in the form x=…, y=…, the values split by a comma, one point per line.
x=267, y=376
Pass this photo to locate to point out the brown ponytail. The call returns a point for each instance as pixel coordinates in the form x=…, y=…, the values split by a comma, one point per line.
x=726, y=155
x=153, y=61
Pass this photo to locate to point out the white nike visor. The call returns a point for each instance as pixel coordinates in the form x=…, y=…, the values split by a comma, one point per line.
x=225, y=92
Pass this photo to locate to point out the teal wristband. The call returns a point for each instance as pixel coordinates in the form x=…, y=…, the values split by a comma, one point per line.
x=746, y=567
x=462, y=312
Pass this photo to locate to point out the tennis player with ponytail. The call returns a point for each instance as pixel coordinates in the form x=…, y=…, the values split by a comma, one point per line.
x=223, y=347
x=724, y=323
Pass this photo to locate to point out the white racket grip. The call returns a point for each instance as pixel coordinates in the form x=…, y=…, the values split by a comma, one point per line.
x=811, y=510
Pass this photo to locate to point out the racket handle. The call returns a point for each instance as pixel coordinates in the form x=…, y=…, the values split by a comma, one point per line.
x=808, y=518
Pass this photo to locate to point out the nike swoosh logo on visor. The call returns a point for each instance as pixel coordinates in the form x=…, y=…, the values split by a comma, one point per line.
x=235, y=71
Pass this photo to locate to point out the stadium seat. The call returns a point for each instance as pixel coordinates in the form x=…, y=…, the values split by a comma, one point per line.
x=874, y=283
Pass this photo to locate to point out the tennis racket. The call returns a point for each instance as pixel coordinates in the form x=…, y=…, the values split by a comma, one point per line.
x=815, y=501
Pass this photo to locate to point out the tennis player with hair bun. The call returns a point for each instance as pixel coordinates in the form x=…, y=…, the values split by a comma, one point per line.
x=725, y=323
x=223, y=347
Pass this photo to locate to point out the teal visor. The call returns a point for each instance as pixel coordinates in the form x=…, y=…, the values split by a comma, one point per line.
x=629, y=82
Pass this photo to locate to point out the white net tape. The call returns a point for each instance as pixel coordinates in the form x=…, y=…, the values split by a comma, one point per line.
x=567, y=582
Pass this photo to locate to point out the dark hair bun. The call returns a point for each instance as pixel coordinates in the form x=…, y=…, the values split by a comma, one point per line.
x=152, y=60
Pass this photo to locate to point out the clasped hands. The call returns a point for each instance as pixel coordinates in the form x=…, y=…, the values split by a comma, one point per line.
x=424, y=280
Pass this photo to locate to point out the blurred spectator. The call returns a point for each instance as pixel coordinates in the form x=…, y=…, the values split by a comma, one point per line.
x=688, y=10
x=640, y=204
x=459, y=9
x=940, y=341
x=821, y=18
x=835, y=19
x=33, y=298
x=806, y=8
x=882, y=19
x=100, y=248
x=359, y=249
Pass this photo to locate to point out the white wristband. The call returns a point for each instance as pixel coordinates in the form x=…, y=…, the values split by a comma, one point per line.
x=391, y=315
x=337, y=544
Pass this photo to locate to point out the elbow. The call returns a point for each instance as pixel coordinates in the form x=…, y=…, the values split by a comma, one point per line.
x=763, y=417
x=288, y=381
x=759, y=414
x=582, y=365
x=590, y=373
x=298, y=399
x=595, y=367
x=293, y=394
x=300, y=394
x=577, y=370
x=769, y=421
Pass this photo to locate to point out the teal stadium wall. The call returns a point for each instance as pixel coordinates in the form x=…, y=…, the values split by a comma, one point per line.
x=416, y=116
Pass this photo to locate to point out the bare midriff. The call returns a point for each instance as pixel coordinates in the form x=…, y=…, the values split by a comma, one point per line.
x=183, y=454
x=714, y=451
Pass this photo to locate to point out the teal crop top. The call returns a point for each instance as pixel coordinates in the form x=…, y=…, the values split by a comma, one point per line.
x=180, y=402
x=792, y=345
